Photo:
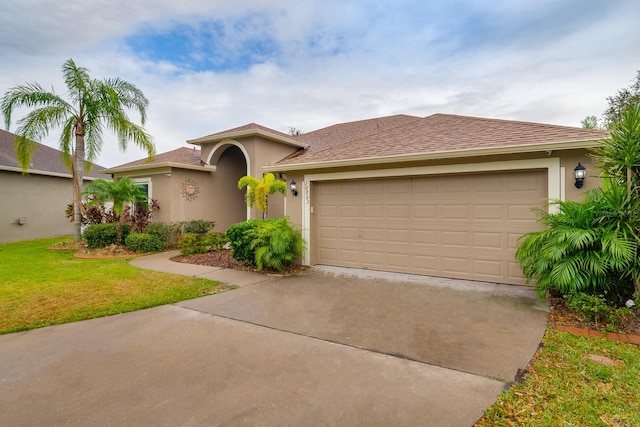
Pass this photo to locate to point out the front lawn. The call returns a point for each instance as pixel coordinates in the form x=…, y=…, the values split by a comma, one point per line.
x=41, y=287
x=565, y=386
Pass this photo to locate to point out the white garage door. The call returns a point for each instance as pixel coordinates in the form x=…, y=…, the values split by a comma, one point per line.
x=459, y=226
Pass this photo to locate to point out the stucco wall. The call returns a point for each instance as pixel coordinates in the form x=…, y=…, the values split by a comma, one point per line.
x=39, y=201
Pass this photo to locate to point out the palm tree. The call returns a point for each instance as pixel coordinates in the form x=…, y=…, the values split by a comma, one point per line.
x=259, y=190
x=92, y=104
x=119, y=192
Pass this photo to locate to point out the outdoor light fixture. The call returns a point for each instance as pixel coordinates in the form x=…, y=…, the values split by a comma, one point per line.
x=294, y=188
x=580, y=174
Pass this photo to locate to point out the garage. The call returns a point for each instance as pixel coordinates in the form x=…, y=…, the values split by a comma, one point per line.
x=462, y=226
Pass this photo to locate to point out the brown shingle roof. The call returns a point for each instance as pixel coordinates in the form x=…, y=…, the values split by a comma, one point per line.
x=345, y=132
x=247, y=127
x=45, y=159
x=444, y=133
x=183, y=156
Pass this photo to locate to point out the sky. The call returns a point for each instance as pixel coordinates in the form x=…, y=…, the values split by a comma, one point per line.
x=211, y=65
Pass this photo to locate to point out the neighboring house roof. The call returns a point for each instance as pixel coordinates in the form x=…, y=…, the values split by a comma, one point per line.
x=440, y=136
x=45, y=160
x=183, y=157
x=251, y=129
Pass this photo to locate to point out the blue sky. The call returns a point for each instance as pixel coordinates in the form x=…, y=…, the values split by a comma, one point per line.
x=209, y=65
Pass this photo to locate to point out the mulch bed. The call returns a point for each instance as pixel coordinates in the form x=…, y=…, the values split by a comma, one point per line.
x=224, y=259
x=565, y=318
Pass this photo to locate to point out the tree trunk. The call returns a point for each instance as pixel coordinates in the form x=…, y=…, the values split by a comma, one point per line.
x=78, y=178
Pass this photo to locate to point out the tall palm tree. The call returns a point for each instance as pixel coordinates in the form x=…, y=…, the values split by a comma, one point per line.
x=92, y=104
x=259, y=190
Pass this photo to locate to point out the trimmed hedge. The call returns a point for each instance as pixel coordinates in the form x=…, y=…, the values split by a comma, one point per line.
x=143, y=243
x=103, y=235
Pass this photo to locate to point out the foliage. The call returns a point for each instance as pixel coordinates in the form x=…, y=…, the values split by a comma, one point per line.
x=93, y=105
x=91, y=214
x=621, y=101
x=143, y=243
x=119, y=192
x=102, y=235
x=590, y=122
x=592, y=246
x=589, y=246
x=564, y=387
x=240, y=238
x=168, y=232
x=138, y=219
x=619, y=155
x=593, y=307
x=198, y=226
x=276, y=244
x=59, y=287
x=191, y=243
x=259, y=190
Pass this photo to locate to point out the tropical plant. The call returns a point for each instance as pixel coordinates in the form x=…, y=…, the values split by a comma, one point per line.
x=259, y=190
x=619, y=155
x=92, y=105
x=239, y=235
x=276, y=244
x=590, y=246
x=119, y=192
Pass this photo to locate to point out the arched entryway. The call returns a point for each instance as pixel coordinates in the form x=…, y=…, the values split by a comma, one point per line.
x=232, y=164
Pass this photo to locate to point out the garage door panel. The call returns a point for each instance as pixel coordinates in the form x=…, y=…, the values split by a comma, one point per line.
x=463, y=226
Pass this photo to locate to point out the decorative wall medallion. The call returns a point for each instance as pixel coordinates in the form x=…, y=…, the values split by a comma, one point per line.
x=189, y=190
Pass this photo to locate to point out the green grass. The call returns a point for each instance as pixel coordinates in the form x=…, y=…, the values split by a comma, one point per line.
x=565, y=388
x=41, y=287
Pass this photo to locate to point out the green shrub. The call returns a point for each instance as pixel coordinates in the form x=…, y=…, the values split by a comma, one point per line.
x=191, y=243
x=168, y=232
x=143, y=243
x=214, y=241
x=240, y=239
x=590, y=246
x=197, y=226
x=102, y=235
x=276, y=244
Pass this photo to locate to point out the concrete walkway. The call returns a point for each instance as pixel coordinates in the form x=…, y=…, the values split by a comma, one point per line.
x=331, y=347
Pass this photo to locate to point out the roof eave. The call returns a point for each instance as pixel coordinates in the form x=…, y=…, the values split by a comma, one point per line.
x=206, y=168
x=45, y=173
x=436, y=155
x=245, y=133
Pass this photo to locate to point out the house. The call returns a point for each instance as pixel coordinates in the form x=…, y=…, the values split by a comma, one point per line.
x=33, y=204
x=443, y=195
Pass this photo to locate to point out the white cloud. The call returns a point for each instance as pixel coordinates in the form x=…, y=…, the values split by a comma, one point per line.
x=337, y=61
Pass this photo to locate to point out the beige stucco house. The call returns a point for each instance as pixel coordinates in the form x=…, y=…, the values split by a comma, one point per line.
x=443, y=195
x=33, y=204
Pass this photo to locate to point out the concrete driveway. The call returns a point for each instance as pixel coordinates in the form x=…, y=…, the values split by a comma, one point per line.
x=326, y=348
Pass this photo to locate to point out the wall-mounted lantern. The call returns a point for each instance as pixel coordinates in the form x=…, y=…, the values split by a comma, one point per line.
x=294, y=188
x=580, y=174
